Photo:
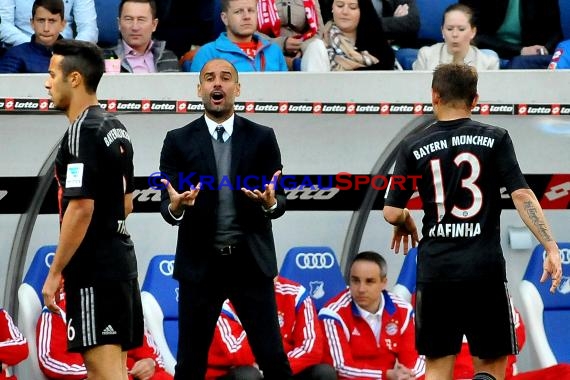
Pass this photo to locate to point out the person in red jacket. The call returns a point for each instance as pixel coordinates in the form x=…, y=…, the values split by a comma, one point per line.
x=143, y=363
x=230, y=356
x=13, y=346
x=301, y=332
x=370, y=332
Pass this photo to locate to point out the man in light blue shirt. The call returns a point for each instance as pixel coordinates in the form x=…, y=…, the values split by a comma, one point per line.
x=16, y=29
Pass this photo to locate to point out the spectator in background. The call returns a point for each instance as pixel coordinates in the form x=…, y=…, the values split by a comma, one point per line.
x=355, y=40
x=561, y=57
x=33, y=57
x=294, y=25
x=525, y=32
x=143, y=363
x=400, y=20
x=240, y=44
x=16, y=29
x=13, y=346
x=137, y=50
x=458, y=29
x=370, y=332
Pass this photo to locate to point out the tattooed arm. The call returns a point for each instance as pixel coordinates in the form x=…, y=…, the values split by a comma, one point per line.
x=532, y=215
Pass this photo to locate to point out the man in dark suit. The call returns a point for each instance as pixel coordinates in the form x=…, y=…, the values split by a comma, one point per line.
x=221, y=194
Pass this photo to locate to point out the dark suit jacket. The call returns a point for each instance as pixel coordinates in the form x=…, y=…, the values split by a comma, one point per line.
x=540, y=24
x=187, y=154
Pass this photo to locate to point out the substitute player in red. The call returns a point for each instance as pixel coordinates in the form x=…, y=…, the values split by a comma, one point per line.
x=94, y=170
x=143, y=363
x=461, y=276
x=301, y=332
x=13, y=346
x=370, y=331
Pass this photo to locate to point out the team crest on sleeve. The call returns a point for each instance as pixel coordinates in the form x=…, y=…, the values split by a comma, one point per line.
x=74, y=176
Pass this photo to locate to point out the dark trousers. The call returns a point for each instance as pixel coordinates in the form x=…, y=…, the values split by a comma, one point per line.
x=238, y=278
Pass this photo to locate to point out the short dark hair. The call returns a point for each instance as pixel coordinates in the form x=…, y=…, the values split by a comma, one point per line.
x=461, y=8
x=84, y=57
x=53, y=6
x=373, y=257
x=225, y=5
x=152, y=4
x=455, y=83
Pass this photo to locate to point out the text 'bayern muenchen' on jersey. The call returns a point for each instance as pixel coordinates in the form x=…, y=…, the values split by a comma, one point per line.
x=462, y=165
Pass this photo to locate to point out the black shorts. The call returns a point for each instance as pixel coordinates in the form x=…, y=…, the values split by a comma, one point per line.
x=106, y=313
x=479, y=310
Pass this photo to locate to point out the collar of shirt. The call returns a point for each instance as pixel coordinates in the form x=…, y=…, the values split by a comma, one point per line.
x=228, y=126
x=140, y=63
x=129, y=51
x=374, y=320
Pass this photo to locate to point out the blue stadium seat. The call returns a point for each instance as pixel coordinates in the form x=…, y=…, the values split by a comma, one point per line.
x=159, y=295
x=107, y=14
x=405, y=285
x=30, y=302
x=546, y=315
x=317, y=269
x=431, y=13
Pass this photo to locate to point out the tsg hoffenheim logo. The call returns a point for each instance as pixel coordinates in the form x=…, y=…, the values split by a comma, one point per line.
x=317, y=289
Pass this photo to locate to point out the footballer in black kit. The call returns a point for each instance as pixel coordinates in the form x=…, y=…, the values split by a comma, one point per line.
x=461, y=286
x=462, y=165
x=95, y=161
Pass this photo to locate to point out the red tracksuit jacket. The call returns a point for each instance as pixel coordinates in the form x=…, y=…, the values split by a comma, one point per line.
x=229, y=347
x=59, y=364
x=352, y=347
x=302, y=335
x=13, y=345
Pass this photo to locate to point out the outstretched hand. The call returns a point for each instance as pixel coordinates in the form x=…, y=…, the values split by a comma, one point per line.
x=267, y=198
x=179, y=200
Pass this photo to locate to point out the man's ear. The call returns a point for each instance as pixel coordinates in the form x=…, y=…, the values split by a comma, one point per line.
x=435, y=98
x=237, y=90
x=475, y=101
x=75, y=79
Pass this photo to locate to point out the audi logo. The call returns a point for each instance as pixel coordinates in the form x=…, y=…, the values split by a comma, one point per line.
x=166, y=267
x=319, y=260
x=564, y=255
x=49, y=259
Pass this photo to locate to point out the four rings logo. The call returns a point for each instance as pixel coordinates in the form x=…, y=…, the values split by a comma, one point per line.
x=317, y=260
x=166, y=267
